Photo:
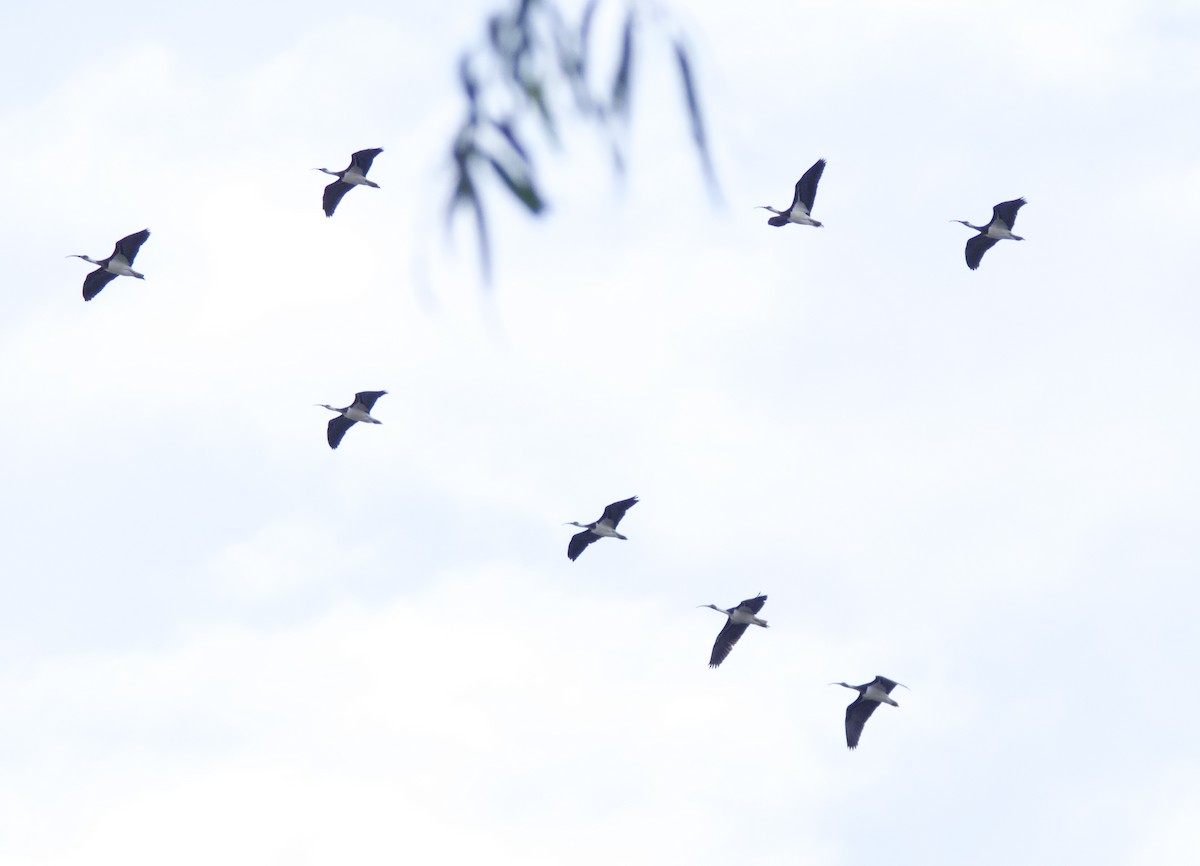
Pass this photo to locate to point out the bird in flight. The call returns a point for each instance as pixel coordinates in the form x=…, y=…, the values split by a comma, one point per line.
x=119, y=264
x=348, y=416
x=999, y=229
x=605, y=527
x=355, y=174
x=800, y=210
x=738, y=620
x=870, y=696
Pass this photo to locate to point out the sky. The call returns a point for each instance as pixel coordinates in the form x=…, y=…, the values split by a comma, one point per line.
x=222, y=642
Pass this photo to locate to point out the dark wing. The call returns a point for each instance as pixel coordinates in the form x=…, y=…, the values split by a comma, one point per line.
x=337, y=429
x=614, y=511
x=1006, y=211
x=780, y=220
x=367, y=399
x=129, y=245
x=725, y=641
x=856, y=716
x=333, y=195
x=754, y=605
x=96, y=281
x=579, y=541
x=362, y=159
x=976, y=247
x=885, y=684
x=806, y=187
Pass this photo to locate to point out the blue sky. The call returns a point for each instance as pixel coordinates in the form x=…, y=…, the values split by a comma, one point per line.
x=222, y=642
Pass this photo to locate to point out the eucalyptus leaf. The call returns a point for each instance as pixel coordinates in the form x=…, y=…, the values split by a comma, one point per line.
x=620, y=90
x=522, y=187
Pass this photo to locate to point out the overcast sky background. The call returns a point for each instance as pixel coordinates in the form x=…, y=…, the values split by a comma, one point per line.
x=221, y=642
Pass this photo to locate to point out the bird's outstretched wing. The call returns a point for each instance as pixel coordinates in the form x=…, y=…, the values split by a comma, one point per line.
x=129, y=245
x=725, y=641
x=579, y=541
x=884, y=684
x=333, y=195
x=337, y=429
x=976, y=247
x=856, y=716
x=96, y=281
x=780, y=220
x=614, y=511
x=362, y=159
x=806, y=187
x=754, y=605
x=1006, y=211
x=367, y=399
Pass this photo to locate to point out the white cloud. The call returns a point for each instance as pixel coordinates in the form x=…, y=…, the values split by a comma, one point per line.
x=493, y=712
x=284, y=556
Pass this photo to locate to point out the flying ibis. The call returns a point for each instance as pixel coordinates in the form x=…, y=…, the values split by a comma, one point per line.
x=605, y=527
x=119, y=264
x=802, y=202
x=739, y=618
x=1000, y=228
x=354, y=174
x=870, y=695
x=359, y=410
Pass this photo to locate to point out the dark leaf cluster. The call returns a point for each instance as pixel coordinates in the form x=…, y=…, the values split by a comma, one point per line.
x=534, y=70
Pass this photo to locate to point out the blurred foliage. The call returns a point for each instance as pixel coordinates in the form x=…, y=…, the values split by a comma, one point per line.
x=534, y=70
